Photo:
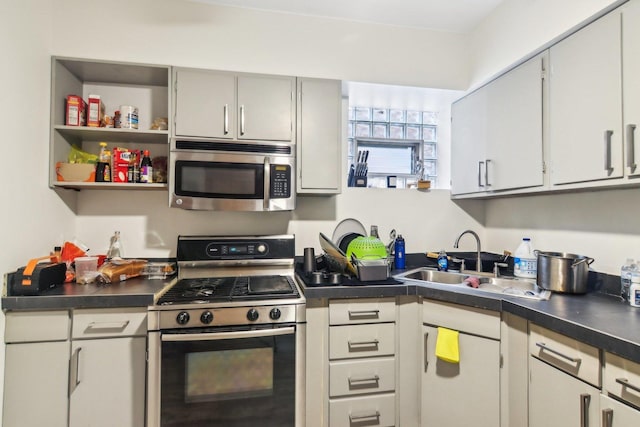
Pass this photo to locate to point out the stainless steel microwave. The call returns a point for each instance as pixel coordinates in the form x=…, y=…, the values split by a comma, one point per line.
x=230, y=176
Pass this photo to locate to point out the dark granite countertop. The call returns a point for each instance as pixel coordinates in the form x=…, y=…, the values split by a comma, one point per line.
x=135, y=292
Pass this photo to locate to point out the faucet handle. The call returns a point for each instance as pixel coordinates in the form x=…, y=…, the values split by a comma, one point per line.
x=496, y=268
x=461, y=261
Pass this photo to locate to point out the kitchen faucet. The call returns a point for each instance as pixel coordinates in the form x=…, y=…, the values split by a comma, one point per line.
x=478, y=259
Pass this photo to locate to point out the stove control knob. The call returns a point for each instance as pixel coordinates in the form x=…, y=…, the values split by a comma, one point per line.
x=261, y=248
x=252, y=315
x=275, y=314
x=182, y=318
x=206, y=317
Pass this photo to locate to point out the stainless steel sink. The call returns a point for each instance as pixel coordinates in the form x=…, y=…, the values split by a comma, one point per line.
x=495, y=285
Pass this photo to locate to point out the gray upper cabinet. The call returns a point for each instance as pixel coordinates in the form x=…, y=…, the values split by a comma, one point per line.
x=218, y=104
x=585, y=122
x=497, y=133
x=631, y=82
x=318, y=136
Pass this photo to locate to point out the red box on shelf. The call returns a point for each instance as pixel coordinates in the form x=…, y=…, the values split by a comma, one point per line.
x=75, y=113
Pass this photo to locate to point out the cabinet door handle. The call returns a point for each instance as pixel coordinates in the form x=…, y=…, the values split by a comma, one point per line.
x=74, y=380
x=242, y=120
x=372, y=343
x=364, y=416
x=625, y=383
x=607, y=417
x=108, y=325
x=607, y=151
x=631, y=155
x=364, y=313
x=544, y=347
x=585, y=400
x=486, y=173
x=370, y=379
x=426, y=360
x=480, y=174
x=226, y=119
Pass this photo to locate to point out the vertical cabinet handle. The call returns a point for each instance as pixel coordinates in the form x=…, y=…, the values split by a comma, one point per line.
x=242, y=120
x=607, y=151
x=74, y=380
x=480, y=174
x=631, y=154
x=426, y=360
x=607, y=418
x=226, y=119
x=486, y=173
x=585, y=400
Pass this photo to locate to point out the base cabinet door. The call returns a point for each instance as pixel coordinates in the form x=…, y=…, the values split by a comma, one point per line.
x=35, y=384
x=617, y=414
x=557, y=399
x=108, y=382
x=461, y=394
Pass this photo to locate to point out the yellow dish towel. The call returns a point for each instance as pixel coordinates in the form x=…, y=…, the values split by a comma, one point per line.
x=447, y=347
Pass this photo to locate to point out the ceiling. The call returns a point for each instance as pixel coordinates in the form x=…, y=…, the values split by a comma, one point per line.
x=458, y=16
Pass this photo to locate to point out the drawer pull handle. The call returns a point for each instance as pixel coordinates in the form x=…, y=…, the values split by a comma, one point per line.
x=356, y=381
x=625, y=383
x=108, y=325
x=363, y=416
x=543, y=346
x=585, y=400
x=364, y=313
x=607, y=417
x=372, y=343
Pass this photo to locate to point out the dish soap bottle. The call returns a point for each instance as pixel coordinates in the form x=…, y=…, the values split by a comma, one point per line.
x=525, y=262
x=443, y=261
x=399, y=258
x=115, y=247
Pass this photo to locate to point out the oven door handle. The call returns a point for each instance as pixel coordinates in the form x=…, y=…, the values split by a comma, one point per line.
x=209, y=336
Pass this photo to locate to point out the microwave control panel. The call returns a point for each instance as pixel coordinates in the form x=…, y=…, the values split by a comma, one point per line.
x=280, y=184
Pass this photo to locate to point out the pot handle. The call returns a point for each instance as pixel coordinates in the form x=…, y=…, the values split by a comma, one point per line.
x=586, y=259
x=536, y=252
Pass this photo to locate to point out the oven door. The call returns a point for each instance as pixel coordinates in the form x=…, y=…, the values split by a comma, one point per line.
x=228, y=377
x=236, y=181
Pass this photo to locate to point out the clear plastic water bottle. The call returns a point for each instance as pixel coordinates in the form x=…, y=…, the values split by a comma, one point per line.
x=525, y=261
x=399, y=257
x=626, y=273
x=443, y=261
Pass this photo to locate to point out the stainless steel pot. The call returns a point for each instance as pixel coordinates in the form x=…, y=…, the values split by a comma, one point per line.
x=563, y=272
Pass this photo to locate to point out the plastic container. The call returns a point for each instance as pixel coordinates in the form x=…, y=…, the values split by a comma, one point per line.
x=443, y=261
x=525, y=261
x=634, y=290
x=86, y=269
x=626, y=273
x=399, y=253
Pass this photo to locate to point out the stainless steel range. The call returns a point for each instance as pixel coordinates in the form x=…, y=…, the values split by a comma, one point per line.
x=226, y=341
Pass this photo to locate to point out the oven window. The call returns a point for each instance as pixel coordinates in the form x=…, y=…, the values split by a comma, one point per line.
x=219, y=180
x=237, y=373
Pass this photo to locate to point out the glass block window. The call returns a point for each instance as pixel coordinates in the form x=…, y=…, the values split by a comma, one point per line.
x=400, y=143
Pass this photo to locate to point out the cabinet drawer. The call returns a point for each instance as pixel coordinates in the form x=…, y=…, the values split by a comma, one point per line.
x=477, y=321
x=622, y=378
x=362, y=376
x=32, y=326
x=565, y=353
x=363, y=411
x=361, y=341
x=104, y=323
x=355, y=311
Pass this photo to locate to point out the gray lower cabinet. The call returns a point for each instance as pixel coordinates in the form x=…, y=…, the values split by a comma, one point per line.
x=79, y=368
x=564, y=380
x=36, y=369
x=465, y=393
